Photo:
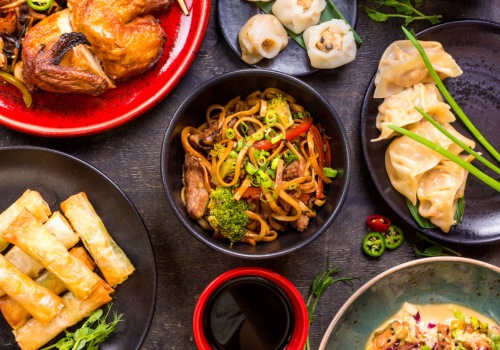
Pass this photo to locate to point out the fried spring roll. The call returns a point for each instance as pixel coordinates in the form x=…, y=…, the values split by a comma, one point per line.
x=36, y=240
x=16, y=315
x=33, y=334
x=57, y=225
x=40, y=302
x=110, y=258
x=31, y=200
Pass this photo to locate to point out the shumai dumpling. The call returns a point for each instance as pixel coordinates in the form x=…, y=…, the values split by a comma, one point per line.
x=330, y=44
x=399, y=109
x=402, y=67
x=439, y=190
x=298, y=15
x=262, y=36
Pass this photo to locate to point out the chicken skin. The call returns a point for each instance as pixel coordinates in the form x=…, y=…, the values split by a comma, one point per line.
x=58, y=60
x=125, y=37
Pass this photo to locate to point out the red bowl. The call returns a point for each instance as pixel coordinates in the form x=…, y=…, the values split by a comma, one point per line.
x=300, y=315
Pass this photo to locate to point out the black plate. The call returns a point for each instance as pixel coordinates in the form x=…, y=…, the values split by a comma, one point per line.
x=293, y=60
x=57, y=176
x=475, y=45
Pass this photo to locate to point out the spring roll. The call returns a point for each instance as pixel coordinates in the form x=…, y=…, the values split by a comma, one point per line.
x=36, y=240
x=110, y=258
x=33, y=334
x=16, y=315
x=31, y=200
x=40, y=302
x=57, y=225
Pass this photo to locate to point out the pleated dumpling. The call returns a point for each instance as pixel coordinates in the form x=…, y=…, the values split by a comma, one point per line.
x=399, y=109
x=439, y=190
x=330, y=44
x=298, y=15
x=401, y=67
x=262, y=36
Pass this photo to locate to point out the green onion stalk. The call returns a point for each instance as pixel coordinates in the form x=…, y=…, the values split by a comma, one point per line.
x=9, y=78
x=450, y=99
x=466, y=165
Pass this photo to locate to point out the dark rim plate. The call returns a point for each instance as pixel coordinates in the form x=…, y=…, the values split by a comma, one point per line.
x=57, y=176
x=474, y=44
x=68, y=115
x=293, y=59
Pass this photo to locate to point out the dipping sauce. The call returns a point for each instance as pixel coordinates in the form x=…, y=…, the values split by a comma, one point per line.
x=248, y=313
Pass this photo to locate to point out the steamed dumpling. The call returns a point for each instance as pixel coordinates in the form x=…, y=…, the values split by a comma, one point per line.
x=298, y=15
x=330, y=44
x=399, y=109
x=439, y=190
x=262, y=36
x=401, y=67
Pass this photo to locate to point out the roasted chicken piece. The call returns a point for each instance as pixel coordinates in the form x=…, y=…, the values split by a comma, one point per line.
x=57, y=59
x=126, y=39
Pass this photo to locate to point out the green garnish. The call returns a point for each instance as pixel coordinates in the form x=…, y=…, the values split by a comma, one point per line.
x=39, y=5
x=9, y=78
x=330, y=12
x=435, y=250
x=425, y=222
x=318, y=287
x=92, y=333
x=331, y=173
x=449, y=98
x=404, y=9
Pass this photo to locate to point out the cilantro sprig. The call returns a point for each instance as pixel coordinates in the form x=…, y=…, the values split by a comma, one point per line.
x=435, y=249
x=92, y=333
x=383, y=10
x=318, y=287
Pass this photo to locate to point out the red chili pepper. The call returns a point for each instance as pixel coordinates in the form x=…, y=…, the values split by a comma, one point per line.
x=378, y=223
x=291, y=133
x=252, y=193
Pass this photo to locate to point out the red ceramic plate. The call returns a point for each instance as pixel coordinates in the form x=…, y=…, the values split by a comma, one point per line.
x=64, y=115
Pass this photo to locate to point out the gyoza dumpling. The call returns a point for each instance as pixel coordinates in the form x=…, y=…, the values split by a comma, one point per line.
x=330, y=44
x=297, y=15
x=401, y=67
x=399, y=109
x=438, y=192
x=262, y=36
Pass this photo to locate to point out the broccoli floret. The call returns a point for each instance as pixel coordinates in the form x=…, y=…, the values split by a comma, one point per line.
x=278, y=107
x=227, y=214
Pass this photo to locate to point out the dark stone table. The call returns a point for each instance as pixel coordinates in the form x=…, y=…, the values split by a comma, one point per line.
x=130, y=156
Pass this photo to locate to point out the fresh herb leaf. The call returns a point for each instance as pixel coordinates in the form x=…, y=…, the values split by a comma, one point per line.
x=330, y=12
x=318, y=287
x=382, y=10
x=89, y=336
x=435, y=250
x=421, y=221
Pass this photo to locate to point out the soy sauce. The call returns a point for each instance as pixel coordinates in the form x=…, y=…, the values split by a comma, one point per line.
x=248, y=313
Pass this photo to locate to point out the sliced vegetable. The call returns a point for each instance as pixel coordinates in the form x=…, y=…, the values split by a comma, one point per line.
x=374, y=244
x=378, y=223
x=9, y=78
x=39, y=5
x=293, y=132
x=393, y=237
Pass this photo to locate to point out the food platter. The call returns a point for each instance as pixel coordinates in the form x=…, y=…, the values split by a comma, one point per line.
x=293, y=60
x=57, y=176
x=474, y=44
x=65, y=115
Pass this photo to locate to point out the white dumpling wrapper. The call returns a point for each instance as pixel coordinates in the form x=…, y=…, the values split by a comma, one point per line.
x=262, y=36
x=298, y=15
x=401, y=67
x=330, y=44
x=399, y=109
x=439, y=190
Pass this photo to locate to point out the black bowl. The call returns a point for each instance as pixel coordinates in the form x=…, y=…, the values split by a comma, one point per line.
x=220, y=90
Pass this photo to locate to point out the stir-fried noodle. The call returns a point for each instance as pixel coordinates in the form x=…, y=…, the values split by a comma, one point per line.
x=278, y=169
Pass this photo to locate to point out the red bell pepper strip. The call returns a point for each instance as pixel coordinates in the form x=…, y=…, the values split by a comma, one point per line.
x=291, y=133
x=252, y=193
x=318, y=142
x=378, y=223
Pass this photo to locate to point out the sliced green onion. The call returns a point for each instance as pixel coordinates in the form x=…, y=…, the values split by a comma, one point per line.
x=244, y=128
x=298, y=115
x=467, y=166
x=261, y=160
x=258, y=135
x=293, y=186
x=277, y=138
x=290, y=157
x=239, y=145
x=233, y=154
x=39, y=5
x=329, y=172
x=458, y=142
x=230, y=134
x=271, y=173
x=274, y=163
x=9, y=78
x=265, y=180
x=450, y=99
x=250, y=169
x=271, y=119
x=270, y=133
x=264, y=199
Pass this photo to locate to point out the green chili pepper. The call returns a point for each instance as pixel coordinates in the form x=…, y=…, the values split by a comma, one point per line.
x=393, y=237
x=9, y=78
x=374, y=244
x=39, y=5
